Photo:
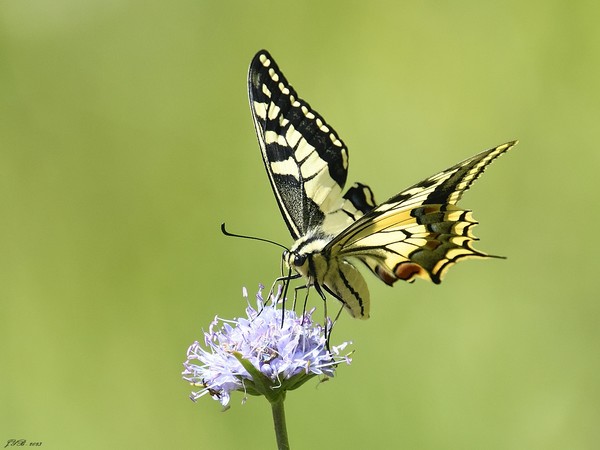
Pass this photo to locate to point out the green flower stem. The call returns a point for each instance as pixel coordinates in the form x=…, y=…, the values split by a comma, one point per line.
x=264, y=386
x=279, y=423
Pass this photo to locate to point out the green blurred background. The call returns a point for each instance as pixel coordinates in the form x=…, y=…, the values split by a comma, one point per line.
x=126, y=139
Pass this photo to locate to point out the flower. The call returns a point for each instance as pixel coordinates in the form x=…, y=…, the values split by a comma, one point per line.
x=263, y=354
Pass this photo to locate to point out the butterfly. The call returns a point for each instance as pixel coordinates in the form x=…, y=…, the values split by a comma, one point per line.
x=420, y=232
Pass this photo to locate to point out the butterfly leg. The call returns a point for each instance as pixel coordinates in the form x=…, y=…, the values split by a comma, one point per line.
x=307, y=287
x=337, y=316
x=282, y=292
x=318, y=289
x=330, y=325
x=286, y=280
x=327, y=324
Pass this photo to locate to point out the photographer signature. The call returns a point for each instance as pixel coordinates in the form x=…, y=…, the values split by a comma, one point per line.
x=22, y=443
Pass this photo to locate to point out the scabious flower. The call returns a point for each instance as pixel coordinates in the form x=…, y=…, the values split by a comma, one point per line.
x=263, y=354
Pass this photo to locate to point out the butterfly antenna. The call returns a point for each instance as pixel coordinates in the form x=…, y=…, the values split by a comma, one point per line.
x=254, y=238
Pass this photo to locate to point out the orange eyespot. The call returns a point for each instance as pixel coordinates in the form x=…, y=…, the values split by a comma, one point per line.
x=408, y=271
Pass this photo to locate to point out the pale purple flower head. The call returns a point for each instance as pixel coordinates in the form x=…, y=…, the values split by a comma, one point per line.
x=260, y=356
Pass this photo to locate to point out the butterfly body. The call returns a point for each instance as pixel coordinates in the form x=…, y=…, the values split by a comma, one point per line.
x=420, y=232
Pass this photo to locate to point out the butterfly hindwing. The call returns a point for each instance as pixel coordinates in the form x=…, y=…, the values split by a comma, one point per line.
x=419, y=232
x=306, y=161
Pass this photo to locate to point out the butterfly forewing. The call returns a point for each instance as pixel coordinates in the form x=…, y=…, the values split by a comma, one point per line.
x=449, y=185
x=306, y=161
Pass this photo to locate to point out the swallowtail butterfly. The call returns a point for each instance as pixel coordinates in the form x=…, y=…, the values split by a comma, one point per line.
x=419, y=232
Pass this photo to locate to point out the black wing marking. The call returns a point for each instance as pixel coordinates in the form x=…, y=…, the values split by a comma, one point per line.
x=361, y=197
x=305, y=159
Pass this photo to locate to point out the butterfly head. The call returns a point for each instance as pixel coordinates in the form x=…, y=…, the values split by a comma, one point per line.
x=305, y=255
x=297, y=261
